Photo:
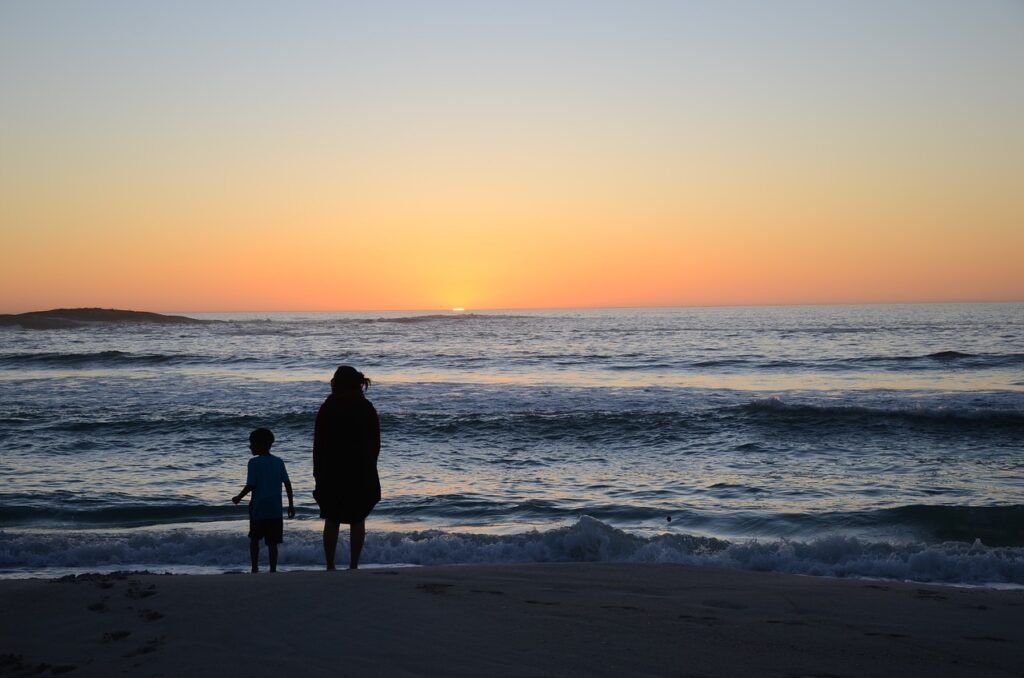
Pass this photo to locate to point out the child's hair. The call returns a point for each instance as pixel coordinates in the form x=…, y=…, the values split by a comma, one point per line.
x=346, y=377
x=262, y=438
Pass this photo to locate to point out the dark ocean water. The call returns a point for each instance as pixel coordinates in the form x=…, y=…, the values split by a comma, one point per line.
x=879, y=441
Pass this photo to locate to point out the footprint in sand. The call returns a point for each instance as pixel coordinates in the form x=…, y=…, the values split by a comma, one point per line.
x=113, y=636
x=724, y=604
x=136, y=591
x=928, y=594
x=885, y=634
x=150, y=615
x=151, y=645
x=15, y=663
x=622, y=607
x=539, y=602
x=434, y=588
x=493, y=593
x=704, y=620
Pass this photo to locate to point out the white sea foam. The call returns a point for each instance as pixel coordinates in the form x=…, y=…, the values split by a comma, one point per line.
x=588, y=540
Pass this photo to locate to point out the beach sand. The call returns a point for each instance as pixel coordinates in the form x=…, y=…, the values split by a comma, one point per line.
x=509, y=620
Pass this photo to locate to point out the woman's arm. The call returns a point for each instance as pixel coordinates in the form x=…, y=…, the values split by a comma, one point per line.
x=376, y=434
x=317, y=442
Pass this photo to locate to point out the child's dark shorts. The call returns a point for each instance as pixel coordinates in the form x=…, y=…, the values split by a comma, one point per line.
x=271, y=531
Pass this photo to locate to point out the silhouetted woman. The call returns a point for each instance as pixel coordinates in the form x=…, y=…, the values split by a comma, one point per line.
x=346, y=442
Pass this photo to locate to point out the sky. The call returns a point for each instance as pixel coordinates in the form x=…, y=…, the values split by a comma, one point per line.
x=413, y=154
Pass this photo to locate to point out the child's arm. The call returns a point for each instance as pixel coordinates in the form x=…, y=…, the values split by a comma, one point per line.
x=291, y=500
x=245, y=490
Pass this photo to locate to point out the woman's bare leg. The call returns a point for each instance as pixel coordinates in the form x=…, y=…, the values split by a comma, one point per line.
x=254, y=554
x=272, y=555
x=358, y=536
x=330, y=542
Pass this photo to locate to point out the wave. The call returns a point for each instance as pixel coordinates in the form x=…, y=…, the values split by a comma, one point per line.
x=926, y=523
x=120, y=516
x=993, y=525
x=941, y=360
x=447, y=358
x=104, y=358
x=776, y=410
x=137, y=427
x=649, y=426
x=585, y=426
x=949, y=355
x=1001, y=525
x=587, y=540
x=498, y=419
x=944, y=359
x=115, y=359
x=208, y=422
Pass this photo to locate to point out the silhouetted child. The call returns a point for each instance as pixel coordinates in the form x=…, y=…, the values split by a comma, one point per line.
x=265, y=477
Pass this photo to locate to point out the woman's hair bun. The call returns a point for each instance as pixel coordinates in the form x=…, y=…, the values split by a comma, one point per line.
x=347, y=376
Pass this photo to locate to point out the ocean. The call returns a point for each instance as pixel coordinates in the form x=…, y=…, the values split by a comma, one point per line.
x=879, y=441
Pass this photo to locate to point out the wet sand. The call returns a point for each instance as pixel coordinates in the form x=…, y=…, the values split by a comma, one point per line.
x=508, y=620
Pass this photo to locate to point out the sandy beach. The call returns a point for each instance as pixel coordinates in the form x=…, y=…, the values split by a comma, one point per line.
x=514, y=620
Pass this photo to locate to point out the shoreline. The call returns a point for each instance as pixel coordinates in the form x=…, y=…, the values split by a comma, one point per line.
x=151, y=570
x=525, y=619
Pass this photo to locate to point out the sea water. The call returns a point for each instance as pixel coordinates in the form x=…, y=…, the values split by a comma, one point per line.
x=871, y=441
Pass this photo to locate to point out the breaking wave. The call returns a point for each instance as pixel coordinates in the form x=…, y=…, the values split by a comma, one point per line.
x=588, y=540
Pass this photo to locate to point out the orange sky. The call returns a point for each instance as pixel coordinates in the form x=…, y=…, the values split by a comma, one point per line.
x=488, y=158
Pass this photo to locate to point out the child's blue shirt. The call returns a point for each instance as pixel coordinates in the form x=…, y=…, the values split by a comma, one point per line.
x=265, y=476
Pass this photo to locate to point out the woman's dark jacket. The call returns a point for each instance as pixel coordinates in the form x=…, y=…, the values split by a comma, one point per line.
x=346, y=442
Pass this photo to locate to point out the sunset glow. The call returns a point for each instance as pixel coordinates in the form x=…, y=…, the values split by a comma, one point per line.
x=189, y=157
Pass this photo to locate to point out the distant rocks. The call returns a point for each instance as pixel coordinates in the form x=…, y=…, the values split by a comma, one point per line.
x=70, y=318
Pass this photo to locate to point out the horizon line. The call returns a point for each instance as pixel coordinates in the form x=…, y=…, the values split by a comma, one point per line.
x=469, y=310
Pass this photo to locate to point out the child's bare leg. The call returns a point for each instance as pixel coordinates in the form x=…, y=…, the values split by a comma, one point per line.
x=254, y=554
x=358, y=536
x=330, y=542
x=272, y=553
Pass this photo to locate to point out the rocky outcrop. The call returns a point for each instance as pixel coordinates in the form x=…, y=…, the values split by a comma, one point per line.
x=69, y=318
